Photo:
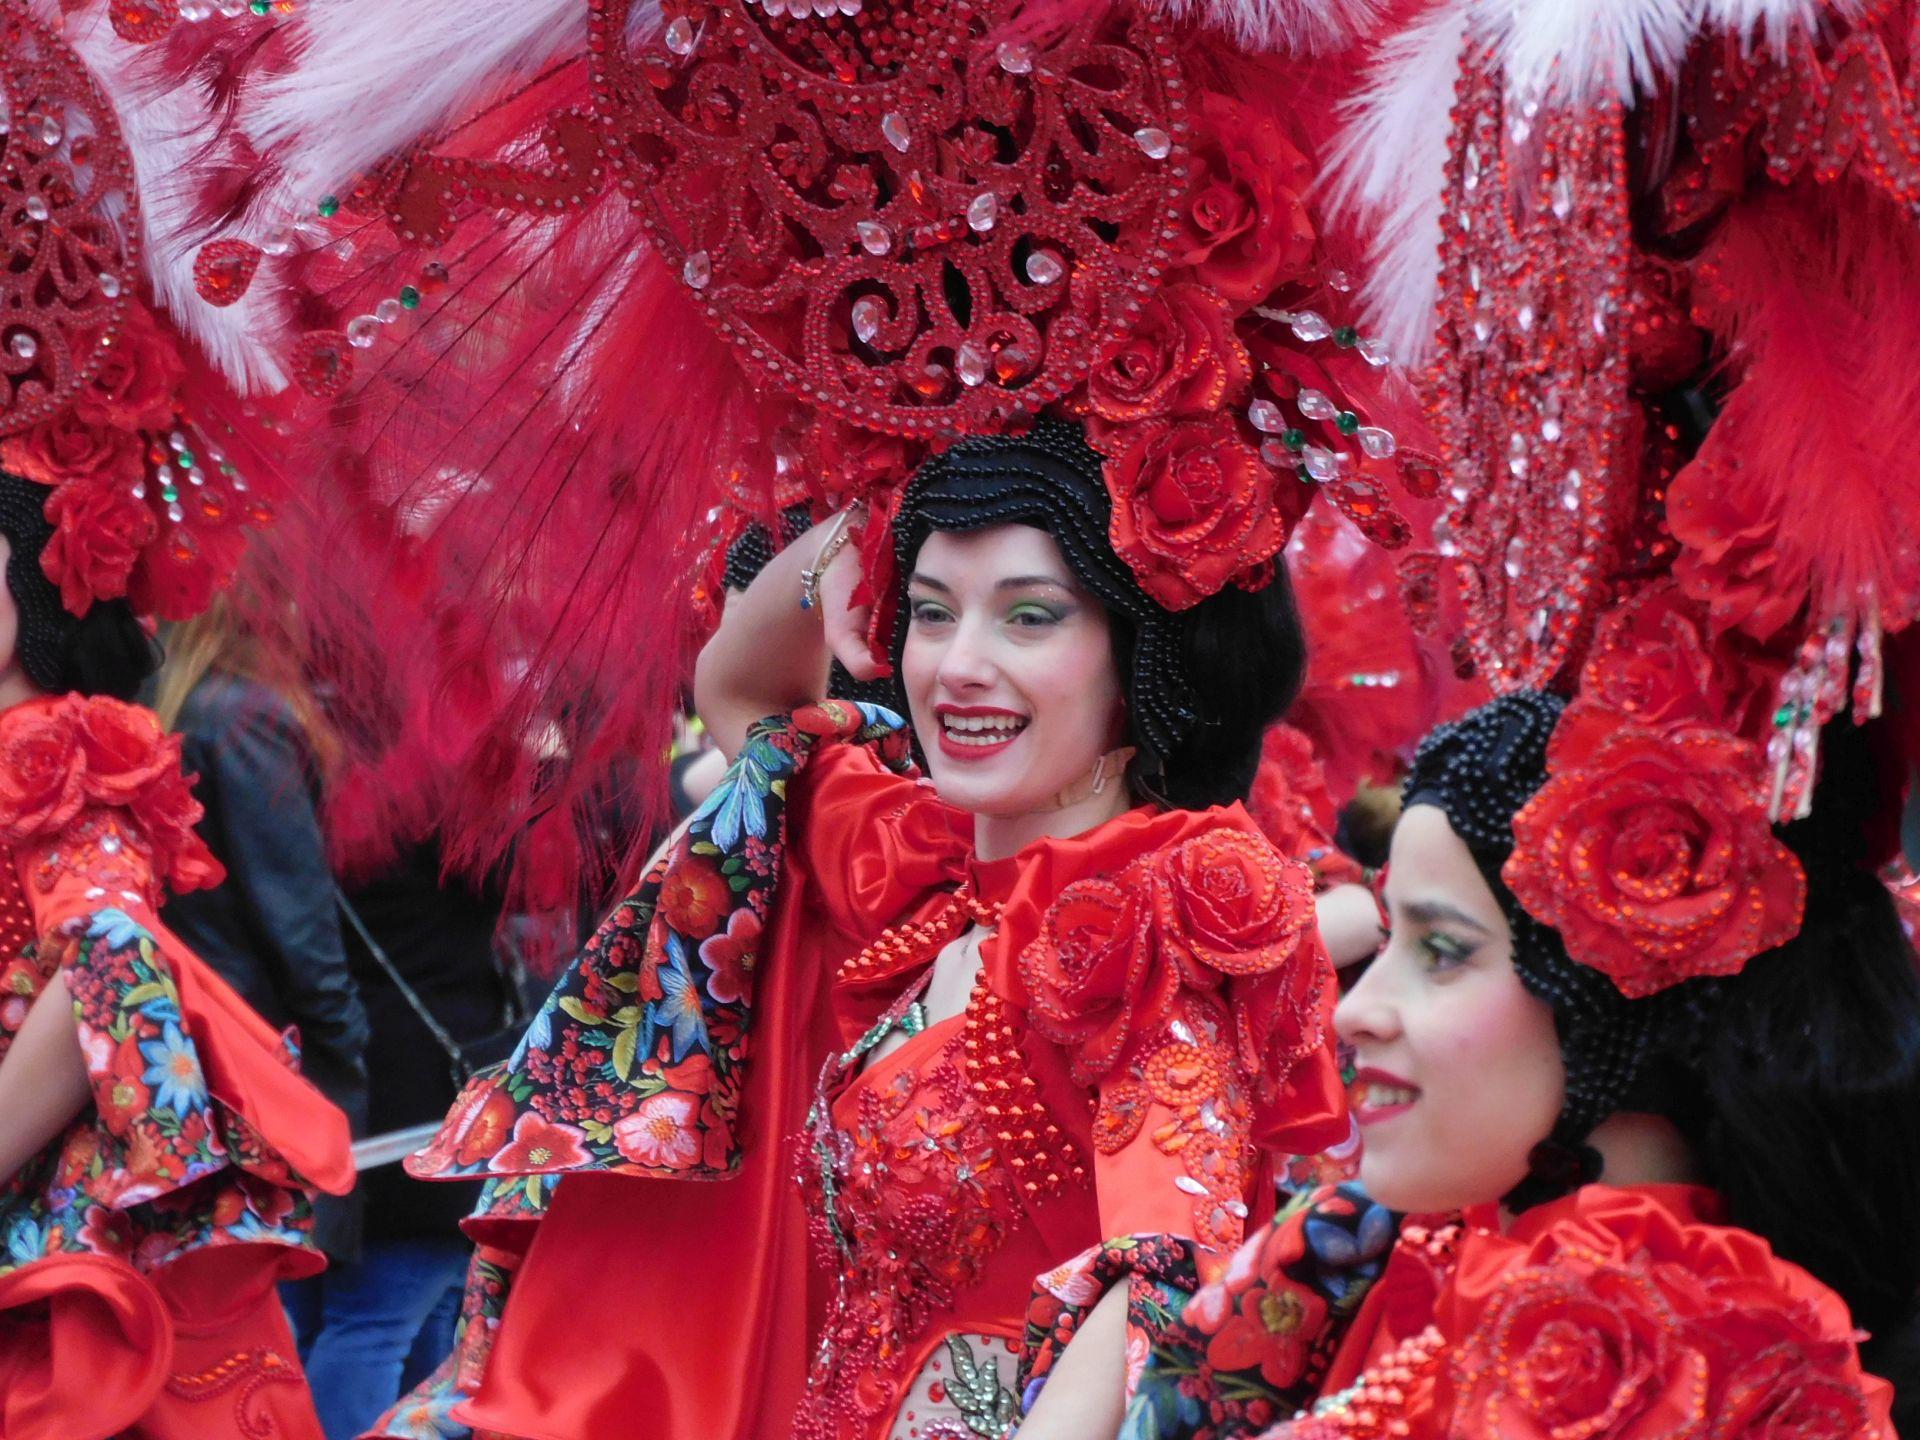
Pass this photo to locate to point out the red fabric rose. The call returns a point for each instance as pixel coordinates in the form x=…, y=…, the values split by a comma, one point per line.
x=1649, y=661
x=42, y=771
x=1560, y=1355
x=1244, y=227
x=1179, y=358
x=137, y=387
x=1192, y=509
x=1094, y=977
x=1784, y=1393
x=1729, y=559
x=1227, y=903
x=67, y=449
x=125, y=749
x=1649, y=851
x=101, y=530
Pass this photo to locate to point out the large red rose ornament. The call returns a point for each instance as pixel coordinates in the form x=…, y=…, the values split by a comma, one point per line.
x=1560, y=1355
x=1649, y=851
x=1244, y=228
x=1179, y=359
x=1228, y=903
x=1095, y=978
x=137, y=385
x=100, y=532
x=125, y=749
x=1192, y=509
x=67, y=449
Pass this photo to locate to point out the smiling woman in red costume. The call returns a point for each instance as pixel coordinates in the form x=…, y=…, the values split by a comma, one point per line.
x=158, y=1150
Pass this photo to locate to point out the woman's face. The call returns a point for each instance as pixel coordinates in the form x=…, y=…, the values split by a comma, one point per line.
x=1459, y=1067
x=1008, y=670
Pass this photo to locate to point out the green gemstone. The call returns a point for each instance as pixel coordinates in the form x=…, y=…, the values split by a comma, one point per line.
x=329, y=206
x=226, y=467
x=1346, y=422
x=409, y=297
x=169, y=494
x=1783, y=717
x=260, y=7
x=1346, y=337
x=184, y=459
x=1294, y=439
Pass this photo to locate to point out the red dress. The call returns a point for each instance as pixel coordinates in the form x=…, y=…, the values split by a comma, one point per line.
x=143, y=1243
x=1100, y=1085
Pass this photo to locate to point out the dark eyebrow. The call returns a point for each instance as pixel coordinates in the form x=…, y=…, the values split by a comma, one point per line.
x=932, y=584
x=1427, y=912
x=1024, y=582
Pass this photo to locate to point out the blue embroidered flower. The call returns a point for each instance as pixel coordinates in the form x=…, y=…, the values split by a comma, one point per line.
x=26, y=1239
x=679, y=1012
x=429, y=1417
x=173, y=1070
x=119, y=929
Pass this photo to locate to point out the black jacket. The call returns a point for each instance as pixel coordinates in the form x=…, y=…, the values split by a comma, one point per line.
x=273, y=929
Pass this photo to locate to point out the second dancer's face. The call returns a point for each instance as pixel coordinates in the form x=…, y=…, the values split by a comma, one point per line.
x=1008, y=670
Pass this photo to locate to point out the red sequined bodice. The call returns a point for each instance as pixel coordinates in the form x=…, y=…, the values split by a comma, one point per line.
x=21, y=976
x=907, y=1203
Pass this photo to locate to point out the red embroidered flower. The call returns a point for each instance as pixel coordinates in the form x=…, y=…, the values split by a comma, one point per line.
x=662, y=1133
x=121, y=1095
x=100, y=532
x=1244, y=227
x=485, y=1131
x=1649, y=661
x=1179, y=358
x=42, y=771
x=1785, y=1393
x=1272, y=1330
x=695, y=897
x=66, y=450
x=1094, y=976
x=1649, y=851
x=729, y=955
x=137, y=386
x=1192, y=508
x=540, y=1145
x=1559, y=1355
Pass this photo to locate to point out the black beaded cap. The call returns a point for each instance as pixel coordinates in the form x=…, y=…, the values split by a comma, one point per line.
x=1481, y=770
x=45, y=626
x=1052, y=479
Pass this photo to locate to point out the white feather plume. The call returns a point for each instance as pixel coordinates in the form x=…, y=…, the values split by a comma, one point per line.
x=166, y=126
x=375, y=76
x=1774, y=22
x=1298, y=27
x=1575, y=51
x=1388, y=173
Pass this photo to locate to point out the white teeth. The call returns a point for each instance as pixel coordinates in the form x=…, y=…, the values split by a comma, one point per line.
x=1378, y=1096
x=975, y=724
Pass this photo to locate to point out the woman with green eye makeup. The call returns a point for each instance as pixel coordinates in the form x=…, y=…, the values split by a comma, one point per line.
x=1659, y=1188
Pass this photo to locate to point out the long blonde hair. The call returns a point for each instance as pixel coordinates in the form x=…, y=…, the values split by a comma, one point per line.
x=219, y=641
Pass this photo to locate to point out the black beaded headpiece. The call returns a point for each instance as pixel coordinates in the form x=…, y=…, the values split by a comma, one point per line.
x=1481, y=770
x=1052, y=479
x=46, y=626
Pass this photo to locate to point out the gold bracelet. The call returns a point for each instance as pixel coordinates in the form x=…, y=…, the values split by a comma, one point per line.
x=836, y=540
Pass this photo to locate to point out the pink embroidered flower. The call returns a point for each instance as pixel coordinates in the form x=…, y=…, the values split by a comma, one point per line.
x=662, y=1133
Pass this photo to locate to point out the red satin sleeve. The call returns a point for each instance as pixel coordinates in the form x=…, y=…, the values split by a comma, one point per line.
x=875, y=842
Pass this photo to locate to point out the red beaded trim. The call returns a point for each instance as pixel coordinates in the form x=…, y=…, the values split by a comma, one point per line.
x=249, y=1372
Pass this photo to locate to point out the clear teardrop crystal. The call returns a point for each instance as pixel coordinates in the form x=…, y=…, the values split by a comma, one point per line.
x=1377, y=443
x=869, y=314
x=1310, y=325
x=680, y=36
x=984, y=210
x=1316, y=406
x=1570, y=492
x=1266, y=416
x=893, y=129
x=1044, y=267
x=194, y=11
x=1015, y=58
x=1374, y=352
x=698, y=271
x=1154, y=142
x=37, y=208
x=387, y=311
x=1562, y=198
x=1516, y=560
x=109, y=284
x=1339, y=280
x=24, y=345
x=50, y=131
x=1550, y=429
x=1321, y=463
x=875, y=238
x=361, y=331
x=970, y=364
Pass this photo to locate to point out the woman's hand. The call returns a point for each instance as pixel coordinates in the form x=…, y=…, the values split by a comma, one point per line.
x=1349, y=924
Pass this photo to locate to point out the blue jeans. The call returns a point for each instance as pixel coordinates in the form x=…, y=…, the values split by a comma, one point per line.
x=370, y=1331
